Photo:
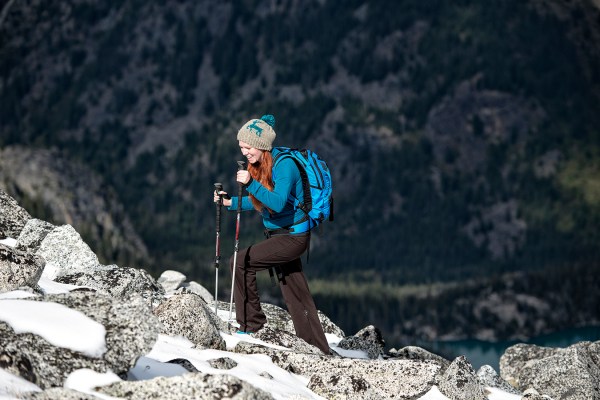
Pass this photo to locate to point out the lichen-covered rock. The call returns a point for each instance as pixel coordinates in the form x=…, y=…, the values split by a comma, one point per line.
x=572, y=372
x=515, y=357
x=490, y=378
x=286, y=339
x=280, y=319
x=188, y=315
x=18, y=269
x=459, y=381
x=58, y=394
x=66, y=253
x=188, y=386
x=393, y=378
x=195, y=287
x=368, y=339
x=31, y=237
x=418, y=353
x=347, y=387
x=13, y=217
x=130, y=331
x=118, y=282
x=222, y=363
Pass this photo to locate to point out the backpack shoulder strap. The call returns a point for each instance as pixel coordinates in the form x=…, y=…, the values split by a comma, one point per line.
x=285, y=152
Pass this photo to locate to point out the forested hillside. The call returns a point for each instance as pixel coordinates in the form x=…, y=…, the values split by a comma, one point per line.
x=464, y=137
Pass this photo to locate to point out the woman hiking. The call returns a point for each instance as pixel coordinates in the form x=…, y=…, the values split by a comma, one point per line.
x=271, y=189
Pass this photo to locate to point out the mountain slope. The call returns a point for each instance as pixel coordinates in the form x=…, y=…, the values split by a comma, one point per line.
x=463, y=138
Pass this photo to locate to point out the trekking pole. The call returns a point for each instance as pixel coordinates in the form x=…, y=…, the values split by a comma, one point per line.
x=218, y=189
x=237, y=237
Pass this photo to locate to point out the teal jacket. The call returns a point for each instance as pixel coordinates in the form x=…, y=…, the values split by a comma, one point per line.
x=287, y=187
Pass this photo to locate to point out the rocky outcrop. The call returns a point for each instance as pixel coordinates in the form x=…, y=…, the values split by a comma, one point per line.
x=33, y=233
x=373, y=377
x=130, y=309
x=70, y=260
x=175, y=282
x=459, y=381
x=418, y=353
x=286, y=339
x=13, y=217
x=368, y=339
x=70, y=193
x=130, y=331
x=571, y=373
x=119, y=282
x=66, y=253
x=490, y=378
x=58, y=394
x=18, y=269
x=188, y=315
x=188, y=386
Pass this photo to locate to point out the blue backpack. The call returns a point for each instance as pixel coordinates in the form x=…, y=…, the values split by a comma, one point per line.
x=316, y=184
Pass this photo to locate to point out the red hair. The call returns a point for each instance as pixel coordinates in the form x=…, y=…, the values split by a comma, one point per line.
x=262, y=172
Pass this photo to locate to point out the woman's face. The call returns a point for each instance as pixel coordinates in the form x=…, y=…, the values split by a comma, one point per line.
x=253, y=155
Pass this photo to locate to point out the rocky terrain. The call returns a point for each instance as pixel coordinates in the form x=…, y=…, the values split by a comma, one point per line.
x=43, y=266
x=463, y=139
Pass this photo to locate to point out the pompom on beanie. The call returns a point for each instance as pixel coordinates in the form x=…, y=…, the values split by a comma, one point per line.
x=258, y=133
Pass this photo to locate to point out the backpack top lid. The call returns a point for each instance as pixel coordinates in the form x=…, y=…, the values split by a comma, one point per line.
x=316, y=183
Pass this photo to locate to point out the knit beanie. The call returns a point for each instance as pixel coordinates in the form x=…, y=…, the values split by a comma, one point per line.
x=258, y=133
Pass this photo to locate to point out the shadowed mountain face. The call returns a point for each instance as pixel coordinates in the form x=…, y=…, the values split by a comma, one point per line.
x=463, y=138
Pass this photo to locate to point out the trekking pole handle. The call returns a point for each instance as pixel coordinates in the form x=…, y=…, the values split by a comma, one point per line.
x=218, y=189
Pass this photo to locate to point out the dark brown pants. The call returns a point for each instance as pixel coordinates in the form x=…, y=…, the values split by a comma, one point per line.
x=282, y=251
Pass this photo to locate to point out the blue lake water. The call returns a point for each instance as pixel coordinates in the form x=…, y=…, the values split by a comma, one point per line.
x=480, y=353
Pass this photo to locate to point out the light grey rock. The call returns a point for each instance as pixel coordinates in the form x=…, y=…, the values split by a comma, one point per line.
x=131, y=331
x=419, y=353
x=18, y=269
x=188, y=315
x=58, y=394
x=571, y=373
x=12, y=216
x=118, y=282
x=329, y=326
x=532, y=394
x=33, y=234
x=516, y=357
x=280, y=319
x=171, y=280
x=459, y=381
x=349, y=387
x=188, y=386
x=223, y=363
x=490, y=378
x=69, y=192
x=66, y=253
x=368, y=339
x=286, y=339
x=195, y=287
x=70, y=260
x=393, y=378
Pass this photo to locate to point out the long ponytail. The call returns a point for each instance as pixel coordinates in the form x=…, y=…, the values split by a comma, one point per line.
x=263, y=173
